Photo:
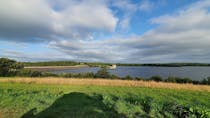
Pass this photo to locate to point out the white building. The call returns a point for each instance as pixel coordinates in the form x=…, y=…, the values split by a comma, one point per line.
x=114, y=66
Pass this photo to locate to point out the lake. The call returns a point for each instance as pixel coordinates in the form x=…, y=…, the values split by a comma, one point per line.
x=195, y=73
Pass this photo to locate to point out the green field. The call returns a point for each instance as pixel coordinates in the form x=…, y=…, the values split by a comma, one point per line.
x=68, y=101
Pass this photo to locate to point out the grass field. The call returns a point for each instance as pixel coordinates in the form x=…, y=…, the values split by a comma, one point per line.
x=86, y=98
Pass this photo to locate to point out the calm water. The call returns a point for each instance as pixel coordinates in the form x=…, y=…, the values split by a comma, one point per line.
x=195, y=73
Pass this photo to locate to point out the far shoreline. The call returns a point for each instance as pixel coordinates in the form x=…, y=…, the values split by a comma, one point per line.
x=51, y=68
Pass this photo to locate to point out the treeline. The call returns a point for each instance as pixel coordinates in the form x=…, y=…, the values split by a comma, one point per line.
x=65, y=63
x=167, y=64
x=97, y=64
x=52, y=63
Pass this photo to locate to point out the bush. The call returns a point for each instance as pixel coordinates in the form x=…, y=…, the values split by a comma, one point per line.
x=29, y=73
x=88, y=75
x=180, y=80
x=102, y=73
x=156, y=78
x=181, y=111
x=9, y=67
x=206, y=81
x=47, y=74
x=139, y=78
x=67, y=75
x=77, y=75
x=114, y=77
x=128, y=77
x=183, y=80
x=187, y=80
x=196, y=82
x=36, y=74
x=170, y=79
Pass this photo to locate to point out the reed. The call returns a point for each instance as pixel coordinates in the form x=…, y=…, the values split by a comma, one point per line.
x=106, y=82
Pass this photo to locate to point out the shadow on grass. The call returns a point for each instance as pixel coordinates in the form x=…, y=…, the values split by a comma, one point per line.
x=76, y=105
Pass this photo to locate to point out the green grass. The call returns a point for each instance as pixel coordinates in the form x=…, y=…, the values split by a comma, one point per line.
x=64, y=101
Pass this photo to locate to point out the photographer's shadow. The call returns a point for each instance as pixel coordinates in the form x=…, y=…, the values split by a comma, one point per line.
x=75, y=105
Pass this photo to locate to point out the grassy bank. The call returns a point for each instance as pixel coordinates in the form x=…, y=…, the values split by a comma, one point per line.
x=56, y=98
x=104, y=82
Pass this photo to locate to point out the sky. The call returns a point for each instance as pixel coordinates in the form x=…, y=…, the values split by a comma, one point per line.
x=114, y=31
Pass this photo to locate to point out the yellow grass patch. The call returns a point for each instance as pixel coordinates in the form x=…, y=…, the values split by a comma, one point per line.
x=107, y=82
x=1, y=114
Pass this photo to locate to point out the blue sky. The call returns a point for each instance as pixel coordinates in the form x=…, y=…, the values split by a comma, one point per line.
x=126, y=31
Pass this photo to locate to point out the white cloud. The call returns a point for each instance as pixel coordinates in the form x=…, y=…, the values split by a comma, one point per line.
x=128, y=9
x=182, y=36
x=125, y=5
x=125, y=23
x=34, y=20
x=95, y=50
x=35, y=56
x=146, y=5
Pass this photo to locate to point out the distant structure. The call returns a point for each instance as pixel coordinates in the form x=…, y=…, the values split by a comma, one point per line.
x=114, y=66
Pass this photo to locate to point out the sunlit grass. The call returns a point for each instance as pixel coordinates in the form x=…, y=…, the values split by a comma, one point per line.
x=80, y=98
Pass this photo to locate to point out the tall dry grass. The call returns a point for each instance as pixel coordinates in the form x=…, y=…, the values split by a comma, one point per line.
x=106, y=82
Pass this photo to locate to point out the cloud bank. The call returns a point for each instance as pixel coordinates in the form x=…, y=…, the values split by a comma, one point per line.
x=42, y=20
x=69, y=28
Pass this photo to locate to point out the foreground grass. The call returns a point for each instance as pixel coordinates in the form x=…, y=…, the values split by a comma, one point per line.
x=39, y=98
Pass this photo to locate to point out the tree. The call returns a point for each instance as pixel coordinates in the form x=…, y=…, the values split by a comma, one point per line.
x=9, y=67
x=208, y=79
x=128, y=77
x=102, y=73
x=171, y=79
x=156, y=78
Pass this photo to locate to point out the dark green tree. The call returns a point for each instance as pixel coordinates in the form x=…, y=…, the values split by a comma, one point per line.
x=156, y=78
x=102, y=73
x=208, y=80
x=128, y=77
x=170, y=79
x=9, y=67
